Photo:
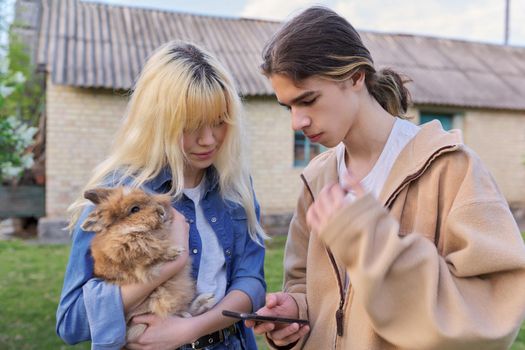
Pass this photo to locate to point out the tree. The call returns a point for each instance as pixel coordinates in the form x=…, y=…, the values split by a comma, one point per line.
x=20, y=103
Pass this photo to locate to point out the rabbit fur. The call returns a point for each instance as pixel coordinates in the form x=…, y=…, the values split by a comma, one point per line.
x=131, y=243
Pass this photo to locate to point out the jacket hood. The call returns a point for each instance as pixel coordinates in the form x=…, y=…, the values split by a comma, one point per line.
x=428, y=144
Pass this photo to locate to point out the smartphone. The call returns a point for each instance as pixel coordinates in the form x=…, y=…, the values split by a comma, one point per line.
x=260, y=318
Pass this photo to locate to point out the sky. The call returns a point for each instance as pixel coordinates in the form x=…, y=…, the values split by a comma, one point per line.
x=475, y=20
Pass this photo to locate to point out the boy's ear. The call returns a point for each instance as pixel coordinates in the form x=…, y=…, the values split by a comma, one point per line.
x=97, y=195
x=93, y=222
x=358, y=78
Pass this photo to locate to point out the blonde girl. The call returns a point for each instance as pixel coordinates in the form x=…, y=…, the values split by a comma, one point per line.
x=183, y=135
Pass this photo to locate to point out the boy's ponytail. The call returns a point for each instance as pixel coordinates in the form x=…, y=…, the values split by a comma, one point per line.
x=388, y=88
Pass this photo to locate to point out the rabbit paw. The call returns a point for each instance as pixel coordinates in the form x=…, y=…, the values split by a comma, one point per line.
x=202, y=303
x=135, y=331
x=174, y=252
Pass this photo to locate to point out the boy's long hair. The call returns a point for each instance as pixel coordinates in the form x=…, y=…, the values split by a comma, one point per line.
x=180, y=88
x=319, y=42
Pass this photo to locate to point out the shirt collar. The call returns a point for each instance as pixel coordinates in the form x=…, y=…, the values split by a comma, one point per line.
x=164, y=176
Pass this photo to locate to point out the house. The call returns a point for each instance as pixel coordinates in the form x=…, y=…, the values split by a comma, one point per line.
x=91, y=54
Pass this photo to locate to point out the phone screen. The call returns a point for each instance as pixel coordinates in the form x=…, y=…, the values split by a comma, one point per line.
x=260, y=318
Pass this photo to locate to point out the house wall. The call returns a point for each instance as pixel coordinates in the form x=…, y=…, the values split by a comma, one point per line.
x=271, y=142
x=498, y=137
x=81, y=122
x=80, y=125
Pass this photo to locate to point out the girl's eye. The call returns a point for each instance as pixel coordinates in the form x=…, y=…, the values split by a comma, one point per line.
x=218, y=123
x=134, y=209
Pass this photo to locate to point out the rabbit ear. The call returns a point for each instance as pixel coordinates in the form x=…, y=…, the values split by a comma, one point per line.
x=93, y=222
x=97, y=195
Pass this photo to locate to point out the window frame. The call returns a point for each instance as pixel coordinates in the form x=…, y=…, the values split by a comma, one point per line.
x=307, y=144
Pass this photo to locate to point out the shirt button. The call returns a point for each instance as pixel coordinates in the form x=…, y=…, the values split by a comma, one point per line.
x=228, y=252
x=195, y=251
x=213, y=219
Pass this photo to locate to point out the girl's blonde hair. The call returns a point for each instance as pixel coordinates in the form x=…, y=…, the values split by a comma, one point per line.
x=181, y=88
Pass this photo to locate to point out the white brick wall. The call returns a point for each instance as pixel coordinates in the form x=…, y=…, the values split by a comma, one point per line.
x=81, y=123
x=277, y=182
x=498, y=137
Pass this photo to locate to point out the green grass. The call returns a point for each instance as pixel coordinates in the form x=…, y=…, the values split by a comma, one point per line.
x=30, y=285
x=273, y=264
x=29, y=291
x=31, y=280
x=273, y=268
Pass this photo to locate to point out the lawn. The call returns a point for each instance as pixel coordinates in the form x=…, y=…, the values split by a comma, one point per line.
x=30, y=287
x=30, y=284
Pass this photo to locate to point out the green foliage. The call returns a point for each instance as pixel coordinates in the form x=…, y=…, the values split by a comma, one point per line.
x=15, y=136
x=20, y=103
x=26, y=101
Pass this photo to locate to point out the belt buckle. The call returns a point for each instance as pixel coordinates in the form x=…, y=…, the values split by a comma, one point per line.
x=195, y=344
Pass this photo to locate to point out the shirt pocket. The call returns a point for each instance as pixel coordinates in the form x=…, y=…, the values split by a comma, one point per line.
x=239, y=222
x=238, y=213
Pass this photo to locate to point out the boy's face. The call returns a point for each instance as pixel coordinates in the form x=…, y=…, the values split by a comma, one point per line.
x=323, y=110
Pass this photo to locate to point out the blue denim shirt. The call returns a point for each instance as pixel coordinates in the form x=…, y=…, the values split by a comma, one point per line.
x=91, y=309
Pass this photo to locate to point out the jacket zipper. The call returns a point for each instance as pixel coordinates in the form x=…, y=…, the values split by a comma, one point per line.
x=339, y=314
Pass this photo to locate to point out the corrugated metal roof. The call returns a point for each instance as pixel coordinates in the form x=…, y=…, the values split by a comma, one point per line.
x=88, y=45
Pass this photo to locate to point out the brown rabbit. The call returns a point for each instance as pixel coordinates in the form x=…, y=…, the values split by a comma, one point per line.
x=131, y=242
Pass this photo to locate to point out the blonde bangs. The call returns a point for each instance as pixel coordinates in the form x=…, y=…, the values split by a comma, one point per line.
x=180, y=89
x=206, y=103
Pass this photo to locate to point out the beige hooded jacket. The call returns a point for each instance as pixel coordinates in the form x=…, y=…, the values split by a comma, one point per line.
x=437, y=263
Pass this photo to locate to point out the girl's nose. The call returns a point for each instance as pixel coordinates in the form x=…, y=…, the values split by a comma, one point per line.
x=206, y=136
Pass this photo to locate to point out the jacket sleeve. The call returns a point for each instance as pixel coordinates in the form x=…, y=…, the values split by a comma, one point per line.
x=295, y=262
x=467, y=296
x=295, y=255
x=89, y=308
x=248, y=261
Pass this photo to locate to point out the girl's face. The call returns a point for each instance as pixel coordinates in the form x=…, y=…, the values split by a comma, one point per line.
x=323, y=110
x=202, y=145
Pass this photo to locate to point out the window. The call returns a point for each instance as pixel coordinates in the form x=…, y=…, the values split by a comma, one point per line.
x=304, y=150
x=444, y=118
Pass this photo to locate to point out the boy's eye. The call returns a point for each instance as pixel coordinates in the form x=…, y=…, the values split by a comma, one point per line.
x=309, y=102
x=134, y=209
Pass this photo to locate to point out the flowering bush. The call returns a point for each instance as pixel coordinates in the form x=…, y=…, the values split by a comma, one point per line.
x=15, y=135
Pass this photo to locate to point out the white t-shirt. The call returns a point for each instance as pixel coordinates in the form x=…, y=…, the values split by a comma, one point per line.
x=212, y=269
x=402, y=132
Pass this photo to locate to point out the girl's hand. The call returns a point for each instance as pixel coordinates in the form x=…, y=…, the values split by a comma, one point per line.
x=180, y=230
x=330, y=200
x=164, y=333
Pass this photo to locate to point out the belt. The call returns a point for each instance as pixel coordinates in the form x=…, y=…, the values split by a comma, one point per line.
x=210, y=339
